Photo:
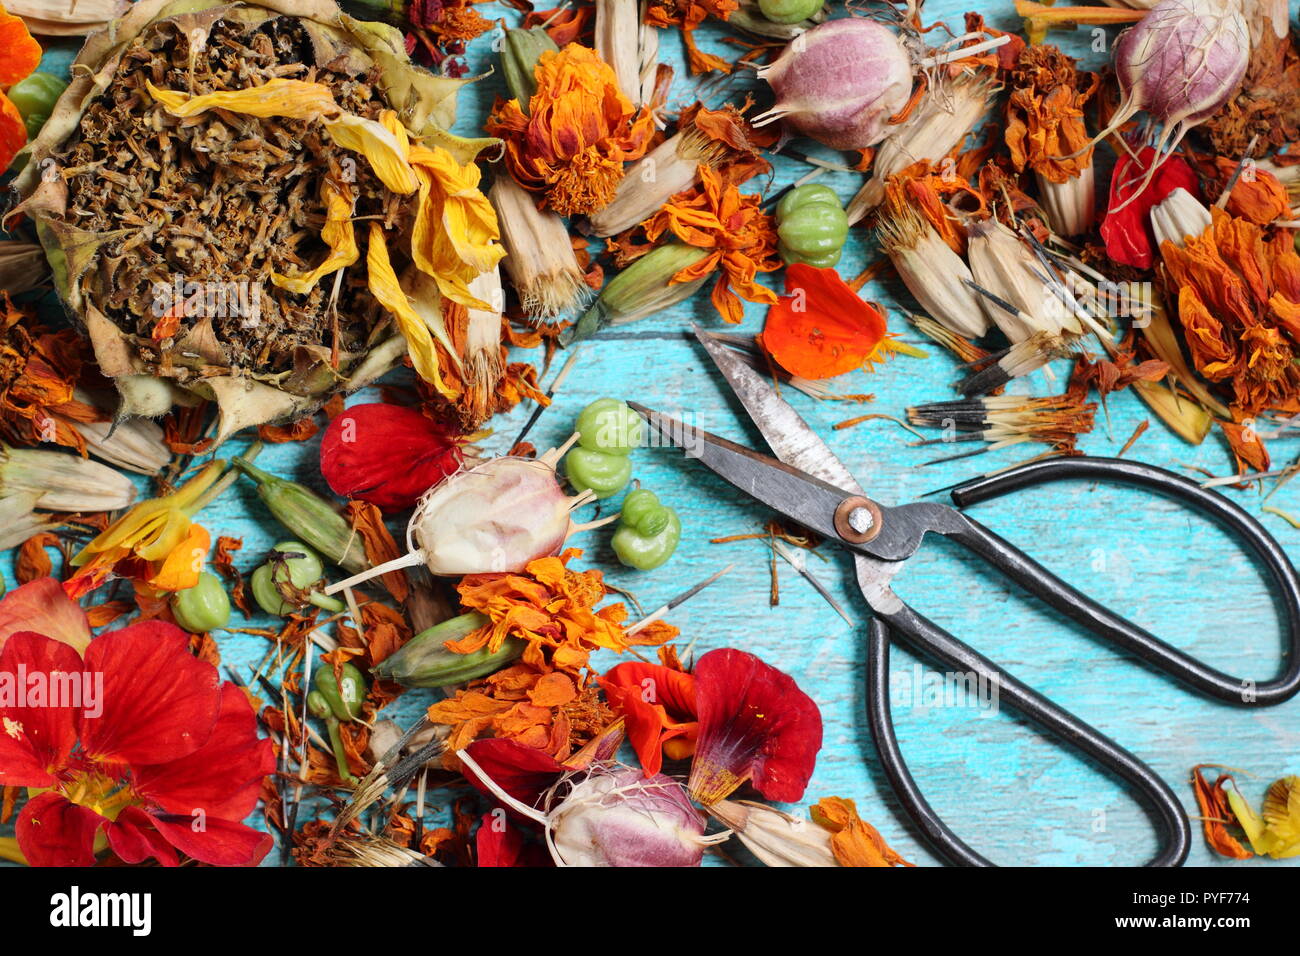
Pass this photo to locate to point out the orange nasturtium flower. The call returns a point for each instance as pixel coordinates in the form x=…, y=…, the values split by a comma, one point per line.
x=578, y=130
x=155, y=543
x=822, y=328
x=740, y=237
x=19, y=57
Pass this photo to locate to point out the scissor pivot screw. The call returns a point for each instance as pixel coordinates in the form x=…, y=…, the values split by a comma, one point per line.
x=857, y=519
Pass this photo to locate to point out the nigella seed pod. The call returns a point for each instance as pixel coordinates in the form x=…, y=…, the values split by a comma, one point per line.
x=840, y=82
x=1179, y=64
x=494, y=517
x=621, y=818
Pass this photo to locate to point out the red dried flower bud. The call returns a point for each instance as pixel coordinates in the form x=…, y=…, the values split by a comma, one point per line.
x=387, y=455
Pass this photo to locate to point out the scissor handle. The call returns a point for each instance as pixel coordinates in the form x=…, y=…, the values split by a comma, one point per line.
x=926, y=637
x=1071, y=602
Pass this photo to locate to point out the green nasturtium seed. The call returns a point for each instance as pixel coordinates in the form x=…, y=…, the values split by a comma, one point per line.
x=35, y=97
x=304, y=570
x=608, y=425
x=789, y=11
x=812, y=226
x=604, y=474
x=648, y=531
x=203, y=607
x=344, y=694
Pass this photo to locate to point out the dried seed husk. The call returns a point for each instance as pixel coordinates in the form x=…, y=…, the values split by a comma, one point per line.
x=64, y=482
x=1070, y=206
x=136, y=444
x=1177, y=217
x=943, y=120
x=539, y=259
x=19, y=520
x=932, y=272
x=22, y=266
x=777, y=838
x=60, y=18
x=617, y=39
x=1003, y=265
x=294, y=360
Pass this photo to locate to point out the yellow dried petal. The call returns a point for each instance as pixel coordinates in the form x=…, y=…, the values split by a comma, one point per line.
x=385, y=150
x=337, y=233
x=291, y=99
x=456, y=234
x=388, y=291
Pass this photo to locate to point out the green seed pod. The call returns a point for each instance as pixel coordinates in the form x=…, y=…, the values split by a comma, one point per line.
x=423, y=661
x=298, y=566
x=519, y=55
x=646, y=552
x=608, y=425
x=604, y=474
x=309, y=516
x=642, y=510
x=812, y=226
x=789, y=11
x=203, y=607
x=642, y=289
x=35, y=97
x=344, y=694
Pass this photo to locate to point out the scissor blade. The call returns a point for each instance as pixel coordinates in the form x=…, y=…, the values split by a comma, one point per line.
x=786, y=433
x=803, y=498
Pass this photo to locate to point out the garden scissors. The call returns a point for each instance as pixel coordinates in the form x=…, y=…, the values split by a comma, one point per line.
x=806, y=483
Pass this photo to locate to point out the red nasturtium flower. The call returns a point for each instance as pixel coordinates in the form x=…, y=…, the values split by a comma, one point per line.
x=1127, y=232
x=821, y=328
x=166, y=758
x=756, y=725
x=387, y=455
x=744, y=720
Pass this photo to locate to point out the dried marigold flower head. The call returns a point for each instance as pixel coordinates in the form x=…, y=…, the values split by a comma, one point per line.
x=578, y=130
x=738, y=236
x=1046, y=132
x=1238, y=294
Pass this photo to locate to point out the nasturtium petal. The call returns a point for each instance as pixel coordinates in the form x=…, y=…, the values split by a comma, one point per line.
x=13, y=132
x=756, y=725
x=160, y=702
x=20, y=54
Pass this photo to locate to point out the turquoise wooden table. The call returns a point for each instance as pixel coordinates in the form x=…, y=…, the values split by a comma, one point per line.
x=1011, y=794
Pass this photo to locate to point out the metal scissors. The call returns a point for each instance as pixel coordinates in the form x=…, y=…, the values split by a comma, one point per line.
x=806, y=483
